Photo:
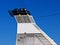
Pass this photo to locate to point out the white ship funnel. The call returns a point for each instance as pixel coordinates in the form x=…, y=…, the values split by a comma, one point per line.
x=28, y=33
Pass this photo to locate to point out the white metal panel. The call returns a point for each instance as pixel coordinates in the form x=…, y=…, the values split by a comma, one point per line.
x=26, y=28
x=32, y=39
x=37, y=41
x=29, y=41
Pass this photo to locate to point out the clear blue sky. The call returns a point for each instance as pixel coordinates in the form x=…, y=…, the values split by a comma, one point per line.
x=38, y=8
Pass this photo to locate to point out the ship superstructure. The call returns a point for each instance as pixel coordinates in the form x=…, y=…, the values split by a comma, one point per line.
x=28, y=33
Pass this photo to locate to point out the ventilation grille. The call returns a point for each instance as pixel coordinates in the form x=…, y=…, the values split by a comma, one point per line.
x=24, y=19
x=32, y=39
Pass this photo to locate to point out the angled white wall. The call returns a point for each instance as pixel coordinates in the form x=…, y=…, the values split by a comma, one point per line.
x=26, y=24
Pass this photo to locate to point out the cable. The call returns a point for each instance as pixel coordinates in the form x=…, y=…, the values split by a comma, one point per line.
x=56, y=14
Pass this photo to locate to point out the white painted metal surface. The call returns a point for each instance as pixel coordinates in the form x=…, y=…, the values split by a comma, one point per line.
x=28, y=33
x=27, y=27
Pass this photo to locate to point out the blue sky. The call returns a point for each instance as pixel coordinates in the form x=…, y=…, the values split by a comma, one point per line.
x=38, y=8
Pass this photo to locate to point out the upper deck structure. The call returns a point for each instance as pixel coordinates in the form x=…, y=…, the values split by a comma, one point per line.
x=28, y=33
